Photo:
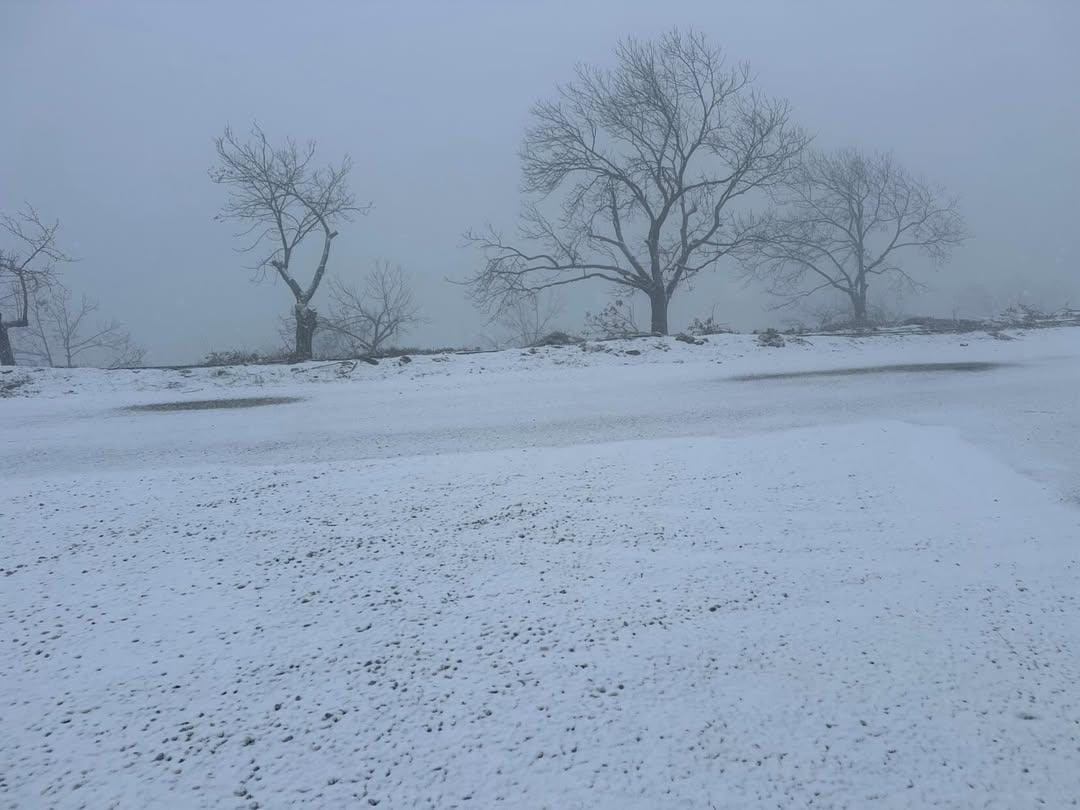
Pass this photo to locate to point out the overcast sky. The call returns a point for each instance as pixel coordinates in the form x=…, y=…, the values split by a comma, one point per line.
x=108, y=110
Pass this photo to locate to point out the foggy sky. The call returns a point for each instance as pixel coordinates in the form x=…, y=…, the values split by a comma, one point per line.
x=108, y=110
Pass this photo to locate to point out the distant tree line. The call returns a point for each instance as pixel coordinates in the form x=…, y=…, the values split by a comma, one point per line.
x=640, y=177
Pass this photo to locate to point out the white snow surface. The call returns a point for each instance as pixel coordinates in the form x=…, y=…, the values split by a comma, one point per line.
x=561, y=579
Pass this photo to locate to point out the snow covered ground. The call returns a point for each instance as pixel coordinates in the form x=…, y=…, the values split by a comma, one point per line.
x=556, y=579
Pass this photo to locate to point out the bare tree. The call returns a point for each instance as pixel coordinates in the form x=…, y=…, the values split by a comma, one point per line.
x=26, y=267
x=282, y=197
x=844, y=219
x=648, y=159
x=529, y=318
x=369, y=315
x=65, y=333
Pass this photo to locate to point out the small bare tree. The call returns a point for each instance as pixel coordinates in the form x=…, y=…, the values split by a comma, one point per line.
x=66, y=333
x=368, y=315
x=27, y=267
x=844, y=219
x=281, y=198
x=529, y=318
x=648, y=159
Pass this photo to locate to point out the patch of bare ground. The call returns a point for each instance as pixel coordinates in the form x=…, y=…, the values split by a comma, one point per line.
x=209, y=404
x=899, y=368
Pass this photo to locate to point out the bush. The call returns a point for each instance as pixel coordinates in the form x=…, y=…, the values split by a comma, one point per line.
x=945, y=324
x=244, y=357
x=1020, y=314
x=614, y=321
x=558, y=338
x=709, y=326
x=771, y=338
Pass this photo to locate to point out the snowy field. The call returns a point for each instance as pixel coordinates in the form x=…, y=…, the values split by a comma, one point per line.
x=561, y=579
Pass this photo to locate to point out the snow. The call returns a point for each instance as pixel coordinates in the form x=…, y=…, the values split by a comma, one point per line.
x=556, y=579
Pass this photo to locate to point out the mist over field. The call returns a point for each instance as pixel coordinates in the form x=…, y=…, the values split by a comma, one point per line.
x=113, y=107
x=486, y=404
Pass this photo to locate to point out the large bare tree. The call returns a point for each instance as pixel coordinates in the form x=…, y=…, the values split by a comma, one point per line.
x=646, y=161
x=843, y=222
x=282, y=197
x=367, y=316
x=27, y=265
x=63, y=332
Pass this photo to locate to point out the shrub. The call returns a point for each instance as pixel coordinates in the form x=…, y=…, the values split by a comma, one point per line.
x=244, y=357
x=614, y=321
x=709, y=326
x=771, y=338
x=558, y=338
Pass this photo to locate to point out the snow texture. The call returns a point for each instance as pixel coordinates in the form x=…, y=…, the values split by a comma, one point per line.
x=553, y=580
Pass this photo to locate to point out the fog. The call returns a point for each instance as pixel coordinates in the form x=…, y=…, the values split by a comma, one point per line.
x=802, y=532
x=109, y=111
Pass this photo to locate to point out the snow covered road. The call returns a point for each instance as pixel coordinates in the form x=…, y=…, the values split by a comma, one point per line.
x=1026, y=412
x=557, y=580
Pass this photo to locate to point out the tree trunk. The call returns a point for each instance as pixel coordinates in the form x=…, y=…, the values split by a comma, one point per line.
x=858, y=306
x=7, y=356
x=658, y=300
x=306, y=321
